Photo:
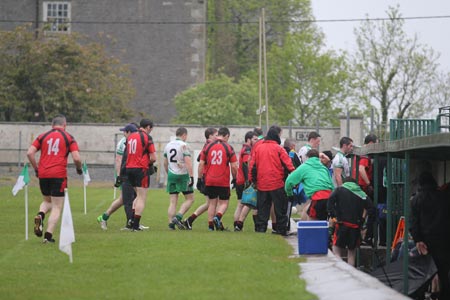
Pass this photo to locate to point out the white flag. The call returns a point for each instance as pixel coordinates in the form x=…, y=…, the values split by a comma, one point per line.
x=67, y=235
x=86, y=177
x=22, y=180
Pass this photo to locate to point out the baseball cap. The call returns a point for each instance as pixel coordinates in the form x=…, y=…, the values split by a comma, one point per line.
x=146, y=122
x=129, y=127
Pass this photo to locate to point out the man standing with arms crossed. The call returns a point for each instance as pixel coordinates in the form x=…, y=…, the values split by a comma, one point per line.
x=55, y=146
x=141, y=154
x=178, y=166
x=217, y=159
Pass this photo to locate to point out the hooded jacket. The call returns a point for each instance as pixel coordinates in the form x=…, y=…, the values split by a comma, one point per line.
x=314, y=176
x=268, y=164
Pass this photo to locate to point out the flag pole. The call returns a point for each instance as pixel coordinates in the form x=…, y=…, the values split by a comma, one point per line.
x=84, y=192
x=26, y=212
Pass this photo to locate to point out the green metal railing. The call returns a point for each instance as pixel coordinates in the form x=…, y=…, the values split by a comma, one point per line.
x=399, y=182
x=404, y=128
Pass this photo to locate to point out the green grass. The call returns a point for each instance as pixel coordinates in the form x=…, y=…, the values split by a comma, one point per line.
x=154, y=264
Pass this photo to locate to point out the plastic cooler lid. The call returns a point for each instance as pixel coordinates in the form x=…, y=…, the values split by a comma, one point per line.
x=301, y=224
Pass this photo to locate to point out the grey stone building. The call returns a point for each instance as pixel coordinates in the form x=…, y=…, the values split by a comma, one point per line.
x=163, y=41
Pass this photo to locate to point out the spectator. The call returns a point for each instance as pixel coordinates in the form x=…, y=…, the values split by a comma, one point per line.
x=430, y=227
x=268, y=165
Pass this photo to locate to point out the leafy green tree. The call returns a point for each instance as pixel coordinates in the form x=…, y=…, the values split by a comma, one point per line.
x=393, y=71
x=218, y=101
x=306, y=83
x=233, y=33
x=44, y=76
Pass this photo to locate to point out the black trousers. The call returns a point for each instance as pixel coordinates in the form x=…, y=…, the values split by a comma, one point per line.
x=439, y=252
x=264, y=203
x=128, y=196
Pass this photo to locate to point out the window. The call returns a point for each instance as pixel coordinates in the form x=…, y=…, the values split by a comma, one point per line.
x=57, y=16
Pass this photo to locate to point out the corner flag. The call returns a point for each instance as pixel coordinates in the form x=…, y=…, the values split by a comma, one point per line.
x=22, y=180
x=86, y=177
x=67, y=234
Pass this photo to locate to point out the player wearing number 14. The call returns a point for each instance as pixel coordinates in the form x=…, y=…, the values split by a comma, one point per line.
x=55, y=146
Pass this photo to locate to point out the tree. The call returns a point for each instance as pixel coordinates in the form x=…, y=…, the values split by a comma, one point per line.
x=234, y=30
x=41, y=77
x=391, y=70
x=306, y=84
x=218, y=101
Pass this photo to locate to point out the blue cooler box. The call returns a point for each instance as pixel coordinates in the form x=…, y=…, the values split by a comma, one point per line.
x=312, y=237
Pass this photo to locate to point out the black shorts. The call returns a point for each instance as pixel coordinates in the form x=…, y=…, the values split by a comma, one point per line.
x=239, y=191
x=346, y=237
x=318, y=209
x=223, y=193
x=138, y=177
x=53, y=186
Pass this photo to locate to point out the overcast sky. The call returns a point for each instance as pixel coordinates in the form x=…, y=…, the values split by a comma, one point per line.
x=432, y=32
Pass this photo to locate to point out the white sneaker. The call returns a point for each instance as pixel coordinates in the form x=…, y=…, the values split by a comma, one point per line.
x=142, y=227
x=102, y=223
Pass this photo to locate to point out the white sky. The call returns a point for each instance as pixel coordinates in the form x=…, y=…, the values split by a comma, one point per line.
x=432, y=32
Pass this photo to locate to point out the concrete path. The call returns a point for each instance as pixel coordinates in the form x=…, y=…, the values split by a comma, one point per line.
x=330, y=278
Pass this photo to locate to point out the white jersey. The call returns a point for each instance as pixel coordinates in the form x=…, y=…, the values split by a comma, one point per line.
x=121, y=146
x=340, y=162
x=302, y=152
x=175, y=152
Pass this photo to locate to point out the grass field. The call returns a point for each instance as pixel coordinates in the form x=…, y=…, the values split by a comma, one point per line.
x=154, y=264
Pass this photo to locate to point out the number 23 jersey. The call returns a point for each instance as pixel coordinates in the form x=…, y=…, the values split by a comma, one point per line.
x=218, y=156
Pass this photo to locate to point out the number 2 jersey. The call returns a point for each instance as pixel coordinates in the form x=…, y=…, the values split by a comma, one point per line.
x=139, y=146
x=175, y=152
x=55, y=146
x=217, y=157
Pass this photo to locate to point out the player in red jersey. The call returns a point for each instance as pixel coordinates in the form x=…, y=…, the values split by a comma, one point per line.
x=210, y=135
x=242, y=211
x=55, y=146
x=141, y=155
x=216, y=161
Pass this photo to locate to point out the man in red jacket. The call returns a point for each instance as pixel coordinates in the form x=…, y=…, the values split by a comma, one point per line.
x=268, y=165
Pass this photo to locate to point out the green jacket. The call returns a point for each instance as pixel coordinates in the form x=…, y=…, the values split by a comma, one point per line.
x=313, y=175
